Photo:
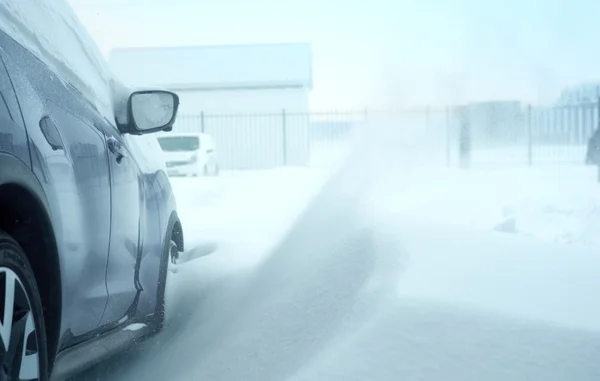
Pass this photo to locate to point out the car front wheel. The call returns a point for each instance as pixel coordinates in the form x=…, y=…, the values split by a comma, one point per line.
x=23, y=354
x=169, y=255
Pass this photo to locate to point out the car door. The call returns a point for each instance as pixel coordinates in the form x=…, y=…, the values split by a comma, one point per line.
x=13, y=139
x=70, y=159
x=123, y=260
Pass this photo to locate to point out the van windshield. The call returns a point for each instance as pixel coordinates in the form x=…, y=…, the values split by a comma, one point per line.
x=179, y=143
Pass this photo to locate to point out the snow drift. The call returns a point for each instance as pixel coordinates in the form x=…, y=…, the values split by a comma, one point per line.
x=354, y=292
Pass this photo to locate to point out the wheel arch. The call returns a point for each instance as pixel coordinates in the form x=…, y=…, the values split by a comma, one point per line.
x=25, y=216
x=173, y=232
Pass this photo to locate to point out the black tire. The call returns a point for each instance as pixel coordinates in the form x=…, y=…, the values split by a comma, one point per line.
x=27, y=315
x=214, y=172
x=159, y=312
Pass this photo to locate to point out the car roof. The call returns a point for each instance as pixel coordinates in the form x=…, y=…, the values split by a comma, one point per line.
x=65, y=46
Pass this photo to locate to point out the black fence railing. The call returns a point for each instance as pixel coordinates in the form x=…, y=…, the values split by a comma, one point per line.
x=500, y=134
x=267, y=140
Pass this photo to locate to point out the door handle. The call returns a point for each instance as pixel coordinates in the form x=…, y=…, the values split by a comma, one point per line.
x=51, y=134
x=115, y=148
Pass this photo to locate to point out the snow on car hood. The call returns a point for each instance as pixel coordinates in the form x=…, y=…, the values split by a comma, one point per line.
x=51, y=31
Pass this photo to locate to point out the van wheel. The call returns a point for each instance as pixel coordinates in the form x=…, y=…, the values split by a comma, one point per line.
x=211, y=172
x=23, y=353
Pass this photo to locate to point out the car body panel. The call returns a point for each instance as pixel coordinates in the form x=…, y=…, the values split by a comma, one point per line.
x=76, y=180
x=126, y=200
x=159, y=208
x=109, y=219
x=13, y=136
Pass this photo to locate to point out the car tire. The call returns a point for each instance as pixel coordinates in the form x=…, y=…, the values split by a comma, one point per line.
x=27, y=355
x=159, y=313
x=213, y=172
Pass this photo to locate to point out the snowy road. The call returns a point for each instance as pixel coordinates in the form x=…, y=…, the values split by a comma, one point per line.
x=399, y=277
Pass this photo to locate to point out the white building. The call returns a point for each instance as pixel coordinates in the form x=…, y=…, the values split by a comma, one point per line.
x=253, y=99
x=223, y=79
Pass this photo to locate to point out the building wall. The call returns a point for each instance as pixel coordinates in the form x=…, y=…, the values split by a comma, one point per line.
x=214, y=66
x=243, y=100
x=235, y=93
x=252, y=128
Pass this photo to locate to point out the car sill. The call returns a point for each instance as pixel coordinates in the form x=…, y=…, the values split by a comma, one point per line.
x=85, y=355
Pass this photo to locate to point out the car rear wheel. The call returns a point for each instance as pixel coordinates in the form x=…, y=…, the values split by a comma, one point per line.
x=23, y=354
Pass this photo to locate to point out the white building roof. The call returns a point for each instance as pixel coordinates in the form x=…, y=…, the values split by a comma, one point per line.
x=215, y=67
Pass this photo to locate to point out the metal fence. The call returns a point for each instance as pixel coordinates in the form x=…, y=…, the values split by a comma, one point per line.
x=267, y=140
x=486, y=134
x=531, y=135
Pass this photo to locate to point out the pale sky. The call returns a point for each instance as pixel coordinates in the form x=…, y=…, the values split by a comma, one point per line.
x=383, y=53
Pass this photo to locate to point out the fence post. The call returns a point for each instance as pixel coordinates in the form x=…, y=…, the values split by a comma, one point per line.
x=202, y=121
x=448, y=137
x=597, y=116
x=529, y=140
x=465, y=138
x=284, y=136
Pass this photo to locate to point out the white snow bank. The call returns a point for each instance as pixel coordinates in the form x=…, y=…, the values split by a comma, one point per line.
x=505, y=275
x=243, y=212
x=554, y=204
x=51, y=30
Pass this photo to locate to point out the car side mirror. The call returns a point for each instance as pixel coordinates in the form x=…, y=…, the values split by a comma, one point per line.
x=152, y=111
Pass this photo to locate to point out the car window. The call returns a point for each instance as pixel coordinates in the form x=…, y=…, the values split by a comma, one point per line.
x=179, y=143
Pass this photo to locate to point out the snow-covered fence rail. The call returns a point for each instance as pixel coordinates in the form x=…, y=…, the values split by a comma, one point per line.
x=493, y=133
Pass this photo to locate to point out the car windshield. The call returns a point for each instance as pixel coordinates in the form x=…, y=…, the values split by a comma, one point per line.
x=179, y=143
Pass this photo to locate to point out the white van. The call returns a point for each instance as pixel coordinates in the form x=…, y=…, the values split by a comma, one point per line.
x=189, y=154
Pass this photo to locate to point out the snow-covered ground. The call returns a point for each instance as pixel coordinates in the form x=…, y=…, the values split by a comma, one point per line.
x=554, y=204
x=295, y=275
